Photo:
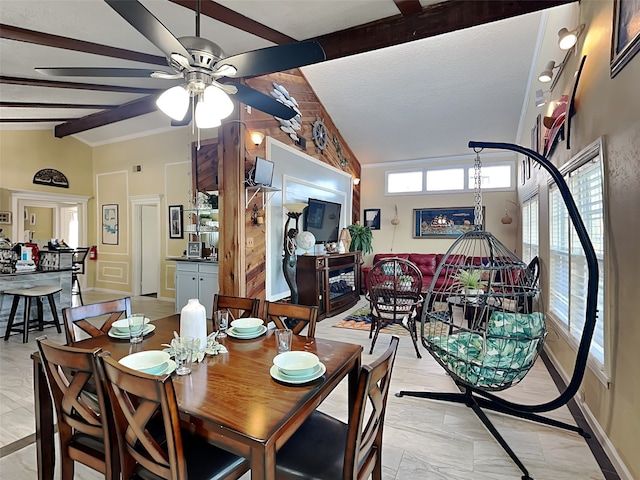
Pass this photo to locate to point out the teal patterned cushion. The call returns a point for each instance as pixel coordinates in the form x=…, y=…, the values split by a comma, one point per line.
x=500, y=360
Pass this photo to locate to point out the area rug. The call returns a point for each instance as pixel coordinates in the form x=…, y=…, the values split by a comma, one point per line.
x=361, y=320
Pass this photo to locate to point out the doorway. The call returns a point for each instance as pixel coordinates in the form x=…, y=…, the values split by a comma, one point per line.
x=146, y=259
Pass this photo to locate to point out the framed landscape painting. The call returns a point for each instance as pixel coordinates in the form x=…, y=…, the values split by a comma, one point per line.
x=625, y=41
x=443, y=222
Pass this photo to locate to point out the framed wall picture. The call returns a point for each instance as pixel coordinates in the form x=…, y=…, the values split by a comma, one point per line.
x=32, y=219
x=175, y=221
x=372, y=218
x=443, y=222
x=625, y=41
x=194, y=249
x=110, y=224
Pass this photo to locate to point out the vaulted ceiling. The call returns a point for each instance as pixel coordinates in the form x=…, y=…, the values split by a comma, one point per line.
x=403, y=79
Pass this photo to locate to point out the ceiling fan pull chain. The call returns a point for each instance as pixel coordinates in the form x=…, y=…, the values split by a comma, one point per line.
x=477, y=179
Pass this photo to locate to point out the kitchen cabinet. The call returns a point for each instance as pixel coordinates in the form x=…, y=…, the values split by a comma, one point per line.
x=196, y=280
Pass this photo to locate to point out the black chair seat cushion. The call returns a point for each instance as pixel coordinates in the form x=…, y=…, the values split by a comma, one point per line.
x=204, y=461
x=315, y=451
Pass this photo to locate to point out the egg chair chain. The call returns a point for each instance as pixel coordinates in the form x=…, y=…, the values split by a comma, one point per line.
x=477, y=180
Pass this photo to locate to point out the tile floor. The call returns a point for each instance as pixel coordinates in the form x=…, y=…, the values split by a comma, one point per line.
x=423, y=439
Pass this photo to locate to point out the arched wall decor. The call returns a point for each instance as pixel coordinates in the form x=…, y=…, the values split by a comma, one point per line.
x=51, y=177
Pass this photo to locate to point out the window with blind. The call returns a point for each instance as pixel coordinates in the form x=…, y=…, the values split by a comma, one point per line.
x=567, y=263
x=530, y=240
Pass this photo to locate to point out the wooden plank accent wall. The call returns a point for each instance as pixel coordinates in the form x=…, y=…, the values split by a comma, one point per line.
x=310, y=106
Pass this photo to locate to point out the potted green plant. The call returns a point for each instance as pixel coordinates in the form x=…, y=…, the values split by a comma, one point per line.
x=470, y=281
x=405, y=281
x=361, y=238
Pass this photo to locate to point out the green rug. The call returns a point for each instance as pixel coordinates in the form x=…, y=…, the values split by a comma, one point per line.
x=361, y=320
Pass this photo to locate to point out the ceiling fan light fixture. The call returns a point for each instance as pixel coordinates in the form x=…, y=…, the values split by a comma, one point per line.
x=174, y=102
x=206, y=115
x=218, y=101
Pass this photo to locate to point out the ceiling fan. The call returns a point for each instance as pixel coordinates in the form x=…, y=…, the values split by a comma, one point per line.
x=204, y=68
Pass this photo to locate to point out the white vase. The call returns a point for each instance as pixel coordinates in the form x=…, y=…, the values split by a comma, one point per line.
x=193, y=322
x=341, y=248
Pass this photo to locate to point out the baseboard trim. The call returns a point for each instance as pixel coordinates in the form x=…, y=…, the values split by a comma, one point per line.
x=608, y=447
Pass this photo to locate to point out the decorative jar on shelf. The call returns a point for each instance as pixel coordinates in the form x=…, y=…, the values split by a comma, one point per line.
x=193, y=322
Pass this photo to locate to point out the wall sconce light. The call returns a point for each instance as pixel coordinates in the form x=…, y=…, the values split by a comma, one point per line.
x=567, y=39
x=356, y=180
x=540, y=98
x=547, y=74
x=257, y=137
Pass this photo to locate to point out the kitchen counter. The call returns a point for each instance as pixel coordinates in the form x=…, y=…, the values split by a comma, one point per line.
x=195, y=278
x=11, y=281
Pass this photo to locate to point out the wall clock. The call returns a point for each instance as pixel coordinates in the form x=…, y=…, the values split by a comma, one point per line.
x=320, y=135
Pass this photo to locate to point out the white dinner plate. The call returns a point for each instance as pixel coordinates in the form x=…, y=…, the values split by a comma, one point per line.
x=281, y=377
x=246, y=336
x=116, y=334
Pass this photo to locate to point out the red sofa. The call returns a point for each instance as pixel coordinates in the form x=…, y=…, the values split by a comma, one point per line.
x=427, y=263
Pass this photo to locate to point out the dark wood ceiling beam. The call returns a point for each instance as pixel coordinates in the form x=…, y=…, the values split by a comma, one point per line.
x=39, y=38
x=32, y=120
x=226, y=15
x=434, y=20
x=32, y=82
x=133, y=109
x=408, y=7
x=54, y=105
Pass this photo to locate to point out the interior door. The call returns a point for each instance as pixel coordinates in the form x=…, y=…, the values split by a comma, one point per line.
x=150, y=258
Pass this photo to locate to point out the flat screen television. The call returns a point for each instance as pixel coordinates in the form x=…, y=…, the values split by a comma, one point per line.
x=322, y=218
x=263, y=172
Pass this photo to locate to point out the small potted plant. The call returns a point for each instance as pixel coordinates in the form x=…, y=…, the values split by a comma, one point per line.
x=361, y=238
x=405, y=282
x=470, y=281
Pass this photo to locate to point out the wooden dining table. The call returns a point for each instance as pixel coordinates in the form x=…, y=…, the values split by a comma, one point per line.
x=230, y=398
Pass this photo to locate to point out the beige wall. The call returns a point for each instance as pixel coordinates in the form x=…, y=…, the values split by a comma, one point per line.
x=400, y=239
x=608, y=108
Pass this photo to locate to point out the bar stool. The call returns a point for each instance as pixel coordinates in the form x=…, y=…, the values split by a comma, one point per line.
x=28, y=294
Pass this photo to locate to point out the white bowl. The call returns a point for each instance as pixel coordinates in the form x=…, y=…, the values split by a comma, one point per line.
x=247, y=325
x=148, y=361
x=296, y=364
x=122, y=325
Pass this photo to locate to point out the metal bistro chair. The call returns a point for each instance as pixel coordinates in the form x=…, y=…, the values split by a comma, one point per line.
x=77, y=264
x=324, y=448
x=393, y=291
x=153, y=446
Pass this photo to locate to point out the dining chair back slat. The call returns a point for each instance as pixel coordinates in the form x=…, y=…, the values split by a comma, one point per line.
x=240, y=307
x=152, y=442
x=87, y=318
x=85, y=426
x=292, y=316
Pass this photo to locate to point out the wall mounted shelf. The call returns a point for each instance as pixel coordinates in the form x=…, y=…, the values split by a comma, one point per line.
x=267, y=193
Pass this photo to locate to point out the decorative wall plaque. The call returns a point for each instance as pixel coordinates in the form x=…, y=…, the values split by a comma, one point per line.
x=51, y=177
x=288, y=126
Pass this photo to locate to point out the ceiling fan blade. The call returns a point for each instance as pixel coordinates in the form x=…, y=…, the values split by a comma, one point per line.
x=148, y=25
x=96, y=72
x=256, y=99
x=274, y=59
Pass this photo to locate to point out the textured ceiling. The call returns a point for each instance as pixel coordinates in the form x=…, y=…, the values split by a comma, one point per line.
x=421, y=99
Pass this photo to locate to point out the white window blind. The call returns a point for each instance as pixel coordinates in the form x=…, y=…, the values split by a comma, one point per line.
x=568, y=267
x=530, y=240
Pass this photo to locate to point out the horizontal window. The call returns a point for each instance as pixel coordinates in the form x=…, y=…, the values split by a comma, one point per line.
x=404, y=182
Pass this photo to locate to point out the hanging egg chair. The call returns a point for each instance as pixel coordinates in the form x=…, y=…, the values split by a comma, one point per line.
x=482, y=319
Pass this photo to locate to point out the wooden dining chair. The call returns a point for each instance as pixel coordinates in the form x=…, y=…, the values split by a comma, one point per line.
x=324, y=448
x=292, y=316
x=86, y=317
x=240, y=307
x=152, y=444
x=85, y=424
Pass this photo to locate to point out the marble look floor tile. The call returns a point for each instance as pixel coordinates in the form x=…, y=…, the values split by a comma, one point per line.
x=423, y=439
